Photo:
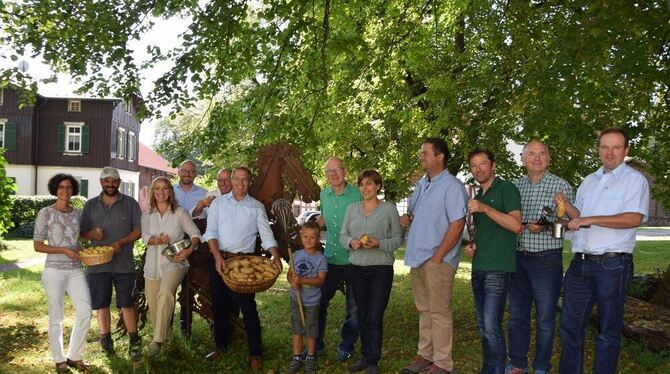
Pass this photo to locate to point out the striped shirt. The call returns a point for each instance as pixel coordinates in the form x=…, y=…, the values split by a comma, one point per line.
x=534, y=196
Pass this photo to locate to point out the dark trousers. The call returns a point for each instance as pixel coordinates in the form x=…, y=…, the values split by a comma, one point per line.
x=337, y=274
x=490, y=290
x=224, y=300
x=372, y=289
x=586, y=283
x=537, y=281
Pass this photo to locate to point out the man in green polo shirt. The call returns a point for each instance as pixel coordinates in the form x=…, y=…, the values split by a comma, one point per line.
x=334, y=202
x=497, y=215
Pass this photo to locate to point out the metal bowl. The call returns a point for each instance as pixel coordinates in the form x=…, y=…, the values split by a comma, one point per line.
x=171, y=250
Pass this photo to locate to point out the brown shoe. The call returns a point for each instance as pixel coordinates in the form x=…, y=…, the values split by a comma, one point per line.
x=79, y=364
x=61, y=367
x=434, y=369
x=255, y=363
x=214, y=355
x=418, y=364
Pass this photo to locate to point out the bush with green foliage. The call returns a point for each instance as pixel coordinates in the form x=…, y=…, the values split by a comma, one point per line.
x=25, y=209
x=7, y=189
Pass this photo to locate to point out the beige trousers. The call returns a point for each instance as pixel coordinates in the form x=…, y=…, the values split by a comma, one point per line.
x=160, y=294
x=432, y=285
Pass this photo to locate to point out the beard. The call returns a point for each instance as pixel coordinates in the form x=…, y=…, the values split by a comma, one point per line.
x=110, y=191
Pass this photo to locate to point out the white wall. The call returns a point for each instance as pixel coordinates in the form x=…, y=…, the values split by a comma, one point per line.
x=25, y=178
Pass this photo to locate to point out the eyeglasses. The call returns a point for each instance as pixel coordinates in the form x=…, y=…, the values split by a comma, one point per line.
x=184, y=171
x=334, y=171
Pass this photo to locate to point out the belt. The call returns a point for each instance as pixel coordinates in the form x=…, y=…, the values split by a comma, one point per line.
x=226, y=255
x=597, y=258
x=541, y=253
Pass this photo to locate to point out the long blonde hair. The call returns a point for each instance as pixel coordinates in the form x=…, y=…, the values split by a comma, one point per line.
x=172, y=200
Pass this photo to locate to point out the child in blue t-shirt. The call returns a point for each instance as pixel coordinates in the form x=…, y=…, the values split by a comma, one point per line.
x=310, y=272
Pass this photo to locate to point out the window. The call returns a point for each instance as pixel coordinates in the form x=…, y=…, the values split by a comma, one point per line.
x=121, y=143
x=73, y=137
x=2, y=96
x=128, y=188
x=2, y=132
x=132, y=146
x=126, y=106
x=74, y=105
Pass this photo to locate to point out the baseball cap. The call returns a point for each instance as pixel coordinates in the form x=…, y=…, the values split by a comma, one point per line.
x=109, y=172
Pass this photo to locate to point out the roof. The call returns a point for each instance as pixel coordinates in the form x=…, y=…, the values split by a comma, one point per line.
x=150, y=159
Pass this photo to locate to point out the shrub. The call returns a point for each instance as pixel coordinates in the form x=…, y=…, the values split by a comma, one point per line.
x=25, y=211
x=7, y=189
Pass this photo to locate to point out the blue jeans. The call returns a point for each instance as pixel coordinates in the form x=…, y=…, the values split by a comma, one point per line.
x=537, y=281
x=372, y=289
x=349, y=334
x=588, y=282
x=490, y=292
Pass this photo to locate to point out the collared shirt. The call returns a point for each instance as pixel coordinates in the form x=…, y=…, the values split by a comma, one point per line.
x=188, y=199
x=435, y=203
x=203, y=215
x=333, y=209
x=496, y=246
x=623, y=190
x=116, y=221
x=174, y=224
x=235, y=224
x=535, y=196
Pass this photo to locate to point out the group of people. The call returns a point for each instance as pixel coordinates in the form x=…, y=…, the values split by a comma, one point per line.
x=517, y=256
x=514, y=255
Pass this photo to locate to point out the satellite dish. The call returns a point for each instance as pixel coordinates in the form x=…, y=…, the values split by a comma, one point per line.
x=23, y=66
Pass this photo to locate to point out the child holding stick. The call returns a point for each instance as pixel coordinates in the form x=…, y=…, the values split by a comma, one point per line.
x=306, y=275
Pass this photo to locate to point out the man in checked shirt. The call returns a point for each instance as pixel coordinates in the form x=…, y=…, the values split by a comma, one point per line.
x=539, y=266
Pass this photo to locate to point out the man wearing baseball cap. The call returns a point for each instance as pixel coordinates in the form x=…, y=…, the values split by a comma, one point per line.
x=113, y=219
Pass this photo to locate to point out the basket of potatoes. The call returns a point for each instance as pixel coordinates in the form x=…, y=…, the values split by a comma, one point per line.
x=96, y=255
x=249, y=274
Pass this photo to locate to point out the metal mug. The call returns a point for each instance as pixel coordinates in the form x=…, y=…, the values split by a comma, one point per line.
x=558, y=229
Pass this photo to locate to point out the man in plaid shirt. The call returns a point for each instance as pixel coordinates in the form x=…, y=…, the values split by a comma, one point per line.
x=539, y=266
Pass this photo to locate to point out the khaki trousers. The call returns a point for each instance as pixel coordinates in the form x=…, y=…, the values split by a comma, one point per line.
x=160, y=294
x=432, y=285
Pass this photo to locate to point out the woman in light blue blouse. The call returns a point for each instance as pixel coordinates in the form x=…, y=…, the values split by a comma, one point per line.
x=371, y=230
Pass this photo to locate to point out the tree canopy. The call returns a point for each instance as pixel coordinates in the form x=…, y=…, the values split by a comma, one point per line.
x=366, y=80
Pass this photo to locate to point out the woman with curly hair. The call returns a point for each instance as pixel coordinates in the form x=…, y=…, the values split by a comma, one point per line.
x=59, y=225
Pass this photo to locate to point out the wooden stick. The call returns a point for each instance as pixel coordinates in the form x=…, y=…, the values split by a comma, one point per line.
x=297, y=290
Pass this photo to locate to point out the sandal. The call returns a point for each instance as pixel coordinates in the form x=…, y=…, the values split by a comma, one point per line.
x=61, y=367
x=79, y=364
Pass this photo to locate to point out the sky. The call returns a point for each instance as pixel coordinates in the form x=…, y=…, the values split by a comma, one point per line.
x=164, y=34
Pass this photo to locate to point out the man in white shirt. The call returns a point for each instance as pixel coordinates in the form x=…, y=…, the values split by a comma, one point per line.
x=614, y=201
x=233, y=222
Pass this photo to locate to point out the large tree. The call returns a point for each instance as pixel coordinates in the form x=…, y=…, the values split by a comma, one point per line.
x=367, y=79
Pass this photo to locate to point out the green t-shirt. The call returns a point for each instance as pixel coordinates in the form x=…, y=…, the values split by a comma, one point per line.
x=496, y=246
x=333, y=209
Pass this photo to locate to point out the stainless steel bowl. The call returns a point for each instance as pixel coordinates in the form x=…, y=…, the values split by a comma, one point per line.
x=171, y=250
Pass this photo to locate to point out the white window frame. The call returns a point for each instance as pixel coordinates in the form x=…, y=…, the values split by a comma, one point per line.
x=121, y=143
x=73, y=125
x=2, y=96
x=74, y=105
x=126, y=106
x=132, y=142
x=3, y=123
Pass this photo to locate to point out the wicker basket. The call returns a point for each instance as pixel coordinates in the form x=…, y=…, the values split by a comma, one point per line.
x=102, y=256
x=247, y=286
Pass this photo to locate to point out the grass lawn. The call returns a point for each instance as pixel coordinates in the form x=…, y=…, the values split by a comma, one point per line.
x=20, y=249
x=24, y=346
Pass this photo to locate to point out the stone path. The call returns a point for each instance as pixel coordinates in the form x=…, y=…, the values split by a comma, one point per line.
x=22, y=264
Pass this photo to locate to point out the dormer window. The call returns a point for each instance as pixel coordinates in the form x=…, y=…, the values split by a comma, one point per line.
x=74, y=105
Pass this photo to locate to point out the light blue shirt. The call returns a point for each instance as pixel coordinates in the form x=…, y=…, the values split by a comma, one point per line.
x=188, y=199
x=235, y=224
x=623, y=190
x=435, y=204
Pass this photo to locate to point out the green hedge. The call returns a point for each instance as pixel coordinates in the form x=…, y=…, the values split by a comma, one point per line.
x=25, y=210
